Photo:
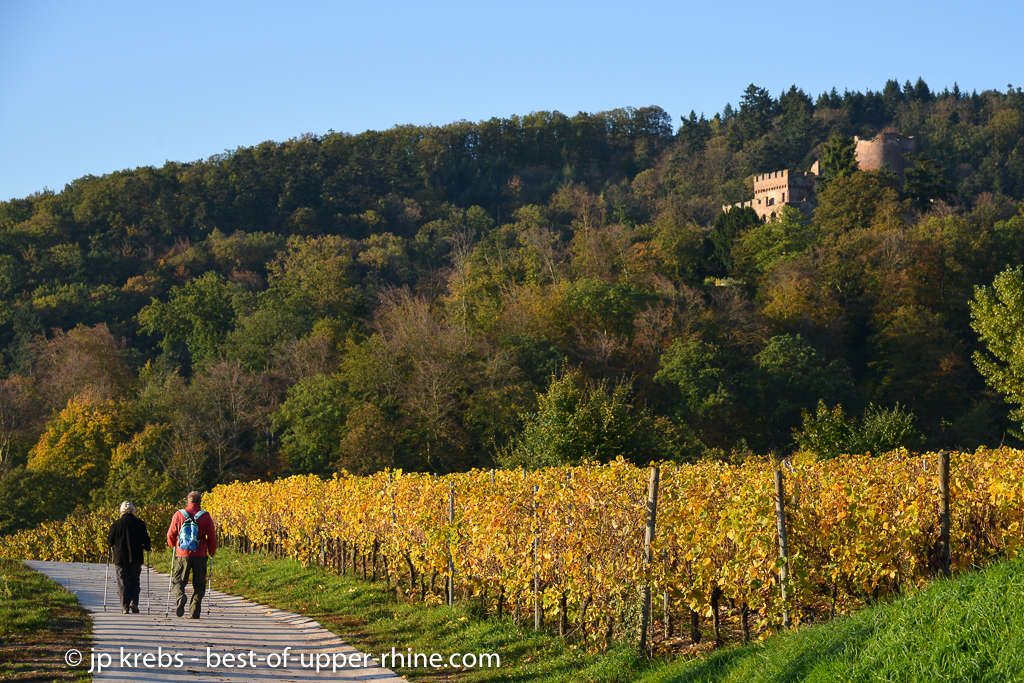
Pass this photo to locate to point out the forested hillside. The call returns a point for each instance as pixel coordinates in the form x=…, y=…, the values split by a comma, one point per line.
x=527, y=291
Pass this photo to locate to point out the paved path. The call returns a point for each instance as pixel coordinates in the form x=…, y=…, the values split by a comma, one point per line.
x=234, y=626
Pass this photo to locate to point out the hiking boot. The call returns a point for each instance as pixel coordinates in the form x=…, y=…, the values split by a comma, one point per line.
x=135, y=608
x=126, y=611
x=181, y=609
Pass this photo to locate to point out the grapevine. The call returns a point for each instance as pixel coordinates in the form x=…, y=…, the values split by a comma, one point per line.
x=858, y=527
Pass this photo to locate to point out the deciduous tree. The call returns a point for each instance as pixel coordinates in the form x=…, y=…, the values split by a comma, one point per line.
x=997, y=315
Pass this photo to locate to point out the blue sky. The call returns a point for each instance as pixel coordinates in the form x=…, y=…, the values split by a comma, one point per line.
x=94, y=87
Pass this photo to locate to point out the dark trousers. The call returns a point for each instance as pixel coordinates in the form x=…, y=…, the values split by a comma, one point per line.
x=128, y=584
x=196, y=566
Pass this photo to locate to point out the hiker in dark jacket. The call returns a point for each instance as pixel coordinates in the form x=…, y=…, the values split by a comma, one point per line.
x=128, y=539
x=191, y=524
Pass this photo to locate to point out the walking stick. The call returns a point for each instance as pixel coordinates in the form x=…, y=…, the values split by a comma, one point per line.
x=149, y=596
x=105, y=573
x=209, y=587
x=167, y=605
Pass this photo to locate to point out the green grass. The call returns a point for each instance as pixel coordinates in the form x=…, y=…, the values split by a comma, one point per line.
x=39, y=622
x=966, y=629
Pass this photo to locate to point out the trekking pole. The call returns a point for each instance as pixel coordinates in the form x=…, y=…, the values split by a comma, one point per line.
x=105, y=573
x=149, y=596
x=167, y=605
x=209, y=586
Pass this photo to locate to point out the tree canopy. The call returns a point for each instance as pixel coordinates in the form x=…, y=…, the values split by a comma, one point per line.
x=535, y=289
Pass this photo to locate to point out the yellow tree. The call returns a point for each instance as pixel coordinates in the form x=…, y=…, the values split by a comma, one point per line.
x=78, y=443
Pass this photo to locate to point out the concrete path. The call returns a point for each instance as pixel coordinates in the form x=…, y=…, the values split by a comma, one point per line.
x=237, y=641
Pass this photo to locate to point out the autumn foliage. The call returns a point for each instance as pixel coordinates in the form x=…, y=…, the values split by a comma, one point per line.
x=858, y=527
x=79, y=538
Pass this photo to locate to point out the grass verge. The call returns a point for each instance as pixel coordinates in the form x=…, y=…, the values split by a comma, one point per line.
x=39, y=622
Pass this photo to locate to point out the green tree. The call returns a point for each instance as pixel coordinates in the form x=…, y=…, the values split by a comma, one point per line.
x=372, y=441
x=199, y=314
x=697, y=369
x=677, y=245
x=839, y=159
x=892, y=97
x=314, y=276
x=829, y=432
x=868, y=199
x=793, y=376
x=32, y=497
x=758, y=249
x=577, y=420
x=538, y=359
x=730, y=225
x=796, y=124
x=757, y=108
x=997, y=315
x=257, y=335
x=137, y=473
x=596, y=305
x=312, y=421
x=926, y=183
x=884, y=429
x=825, y=432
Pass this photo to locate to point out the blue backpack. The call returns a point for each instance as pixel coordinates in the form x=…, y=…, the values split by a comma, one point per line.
x=188, y=535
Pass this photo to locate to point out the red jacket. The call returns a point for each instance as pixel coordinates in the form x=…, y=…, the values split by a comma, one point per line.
x=207, y=533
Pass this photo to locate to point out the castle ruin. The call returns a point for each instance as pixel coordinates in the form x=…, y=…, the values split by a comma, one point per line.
x=885, y=151
x=774, y=190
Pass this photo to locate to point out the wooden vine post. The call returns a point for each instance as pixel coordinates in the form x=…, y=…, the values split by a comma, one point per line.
x=563, y=599
x=451, y=559
x=652, y=515
x=538, y=608
x=780, y=518
x=945, y=553
x=394, y=526
x=666, y=618
x=500, y=607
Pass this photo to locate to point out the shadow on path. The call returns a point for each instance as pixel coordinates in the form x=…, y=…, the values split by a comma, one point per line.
x=237, y=640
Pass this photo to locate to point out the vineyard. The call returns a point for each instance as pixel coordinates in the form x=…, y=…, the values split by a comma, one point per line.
x=567, y=545
x=80, y=538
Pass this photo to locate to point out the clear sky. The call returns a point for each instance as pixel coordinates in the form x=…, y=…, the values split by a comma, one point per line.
x=91, y=87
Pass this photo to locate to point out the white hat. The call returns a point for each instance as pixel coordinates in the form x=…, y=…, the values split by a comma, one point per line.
x=127, y=507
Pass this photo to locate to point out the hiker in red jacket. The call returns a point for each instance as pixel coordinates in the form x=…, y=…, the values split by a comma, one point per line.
x=193, y=535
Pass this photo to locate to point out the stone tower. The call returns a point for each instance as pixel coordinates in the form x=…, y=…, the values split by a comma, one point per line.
x=885, y=151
